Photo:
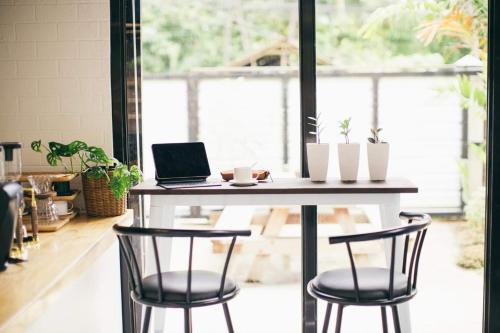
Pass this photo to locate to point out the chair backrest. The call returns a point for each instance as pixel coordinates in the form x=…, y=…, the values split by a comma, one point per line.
x=135, y=276
x=417, y=223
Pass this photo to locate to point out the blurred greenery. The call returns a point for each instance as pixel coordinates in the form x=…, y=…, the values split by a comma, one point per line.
x=181, y=35
x=464, y=23
x=472, y=235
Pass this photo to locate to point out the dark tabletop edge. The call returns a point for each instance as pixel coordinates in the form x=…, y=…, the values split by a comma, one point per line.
x=162, y=191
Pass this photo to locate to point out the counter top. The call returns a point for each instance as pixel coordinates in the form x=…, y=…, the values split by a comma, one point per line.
x=59, y=258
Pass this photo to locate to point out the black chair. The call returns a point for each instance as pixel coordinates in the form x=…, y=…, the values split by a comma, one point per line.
x=373, y=286
x=178, y=289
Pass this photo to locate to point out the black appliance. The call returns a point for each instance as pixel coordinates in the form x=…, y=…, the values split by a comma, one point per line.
x=11, y=196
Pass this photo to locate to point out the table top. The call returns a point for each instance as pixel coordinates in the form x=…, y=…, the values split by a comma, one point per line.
x=60, y=258
x=285, y=186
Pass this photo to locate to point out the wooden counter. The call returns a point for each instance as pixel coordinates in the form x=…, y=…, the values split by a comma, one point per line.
x=62, y=256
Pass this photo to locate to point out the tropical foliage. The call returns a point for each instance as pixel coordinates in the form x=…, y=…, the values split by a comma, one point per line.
x=182, y=35
x=465, y=22
x=92, y=161
x=185, y=34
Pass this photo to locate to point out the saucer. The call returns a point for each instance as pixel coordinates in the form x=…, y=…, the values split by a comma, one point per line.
x=250, y=182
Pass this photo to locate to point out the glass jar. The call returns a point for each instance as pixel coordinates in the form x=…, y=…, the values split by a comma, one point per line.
x=46, y=209
x=12, y=160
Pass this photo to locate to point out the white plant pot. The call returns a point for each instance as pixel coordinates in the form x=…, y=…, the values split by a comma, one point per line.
x=378, y=160
x=348, y=161
x=317, y=161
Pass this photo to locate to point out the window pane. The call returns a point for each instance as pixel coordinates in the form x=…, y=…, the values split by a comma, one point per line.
x=226, y=73
x=401, y=66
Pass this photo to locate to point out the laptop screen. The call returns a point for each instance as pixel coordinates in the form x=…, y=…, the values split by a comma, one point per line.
x=180, y=160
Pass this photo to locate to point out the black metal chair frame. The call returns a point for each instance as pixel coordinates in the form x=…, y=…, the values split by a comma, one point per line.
x=135, y=276
x=417, y=223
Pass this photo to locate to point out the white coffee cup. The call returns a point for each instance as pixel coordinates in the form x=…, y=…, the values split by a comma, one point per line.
x=242, y=174
x=63, y=207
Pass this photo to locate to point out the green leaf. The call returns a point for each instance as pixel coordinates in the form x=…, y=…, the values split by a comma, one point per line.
x=96, y=172
x=464, y=86
x=76, y=146
x=136, y=174
x=123, y=179
x=53, y=159
x=97, y=155
x=59, y=149
x=37, y=146
x=480, y=97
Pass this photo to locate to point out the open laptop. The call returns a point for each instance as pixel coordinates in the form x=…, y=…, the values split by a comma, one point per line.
x=180, y=165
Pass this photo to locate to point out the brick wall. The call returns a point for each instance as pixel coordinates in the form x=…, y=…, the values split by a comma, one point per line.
x=54, y=73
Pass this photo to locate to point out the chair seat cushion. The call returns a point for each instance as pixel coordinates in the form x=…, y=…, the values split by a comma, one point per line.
x=204, y=285
x=373, y=283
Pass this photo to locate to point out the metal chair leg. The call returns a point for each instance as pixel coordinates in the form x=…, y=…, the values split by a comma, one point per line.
x=384, y=320
x=340, y=309
x=147, y=317
x=327, y=317
x=229, y=323
x=187, y=321
x=395, y=318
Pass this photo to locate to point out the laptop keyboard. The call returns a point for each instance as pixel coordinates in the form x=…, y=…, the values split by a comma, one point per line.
x=190, y=184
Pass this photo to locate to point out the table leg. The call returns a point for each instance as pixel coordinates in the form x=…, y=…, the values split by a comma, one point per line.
x=389, y=217
x=309, y=266
x=161, y=215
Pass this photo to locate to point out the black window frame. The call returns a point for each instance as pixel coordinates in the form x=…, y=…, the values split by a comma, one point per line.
x=125, y=74
x=491, y=295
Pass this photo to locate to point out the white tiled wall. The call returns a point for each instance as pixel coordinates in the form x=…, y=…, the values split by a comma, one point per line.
x=54, y=73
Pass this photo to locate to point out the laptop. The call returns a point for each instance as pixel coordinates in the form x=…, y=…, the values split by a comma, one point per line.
x=180, y=165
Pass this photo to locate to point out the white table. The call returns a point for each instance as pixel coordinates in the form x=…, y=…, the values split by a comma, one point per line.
x=297, y=191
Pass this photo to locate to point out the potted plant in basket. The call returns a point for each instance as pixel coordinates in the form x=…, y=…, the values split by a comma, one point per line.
x=378, y=156
x=317, y=152
x=348, y=154
x=106, y=181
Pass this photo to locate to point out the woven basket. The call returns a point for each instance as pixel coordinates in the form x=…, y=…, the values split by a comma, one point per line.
x=99, y=200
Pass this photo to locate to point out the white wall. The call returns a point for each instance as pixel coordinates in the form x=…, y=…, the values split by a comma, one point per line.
x=54, y=73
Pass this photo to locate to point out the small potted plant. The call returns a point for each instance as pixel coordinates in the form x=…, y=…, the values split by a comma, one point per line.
x=317, y=152
x=348, y=154
x=106, y=181
x=378, y=156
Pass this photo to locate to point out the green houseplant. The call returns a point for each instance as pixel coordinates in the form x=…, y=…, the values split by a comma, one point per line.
x=105, y=180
